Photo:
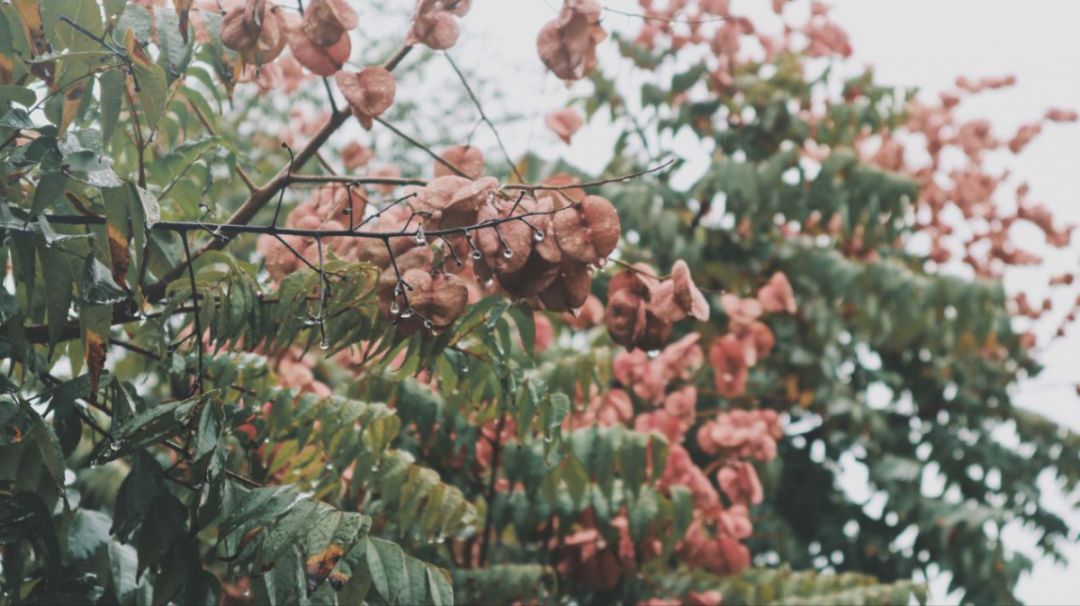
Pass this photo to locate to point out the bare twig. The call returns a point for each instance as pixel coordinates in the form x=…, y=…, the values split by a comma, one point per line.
x=195, y=313
x=484, y=118
x=246, y=178
x=263, y=195
x=412, y=141
x=631, y=176
x=320, y=179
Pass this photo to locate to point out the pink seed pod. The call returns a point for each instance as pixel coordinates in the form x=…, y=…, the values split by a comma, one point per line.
x=325, y=21
x=322, y=61
x=564, y=123
x=438, y=30
x=255, y=30
x=469, y=159
x=588, y=232
x=567, y=44
x=569, y=290
x=506, y=247
x=370, y=92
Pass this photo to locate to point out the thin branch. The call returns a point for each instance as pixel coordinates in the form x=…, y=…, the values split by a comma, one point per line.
x=484, y=118
x=230, y=229
x=496, y=450
x=135, y=349
x=246, y=178
x=666, y=19
x=453, y=167
x=623, y=178
x=320, y=179
x=140, y=143
x=195, y=313
x=263, y=195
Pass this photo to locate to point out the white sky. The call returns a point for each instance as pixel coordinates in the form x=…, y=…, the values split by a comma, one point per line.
x=915, y=42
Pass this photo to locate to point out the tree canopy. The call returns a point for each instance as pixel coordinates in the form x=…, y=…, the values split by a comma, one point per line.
x=270, y=333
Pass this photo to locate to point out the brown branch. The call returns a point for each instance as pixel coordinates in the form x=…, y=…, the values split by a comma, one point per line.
x=140, y=143
x=246, y=178
x=411, y=141
x=666, y=19
x=496, y=450
x=631, y=176
x=263, y=195
x=484, y=118
x=320, y=179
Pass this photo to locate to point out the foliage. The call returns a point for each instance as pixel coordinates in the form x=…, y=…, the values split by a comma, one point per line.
x=234, y=373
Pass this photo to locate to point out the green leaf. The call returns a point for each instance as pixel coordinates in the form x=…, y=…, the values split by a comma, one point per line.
x=150, y=427
x=66, y=421
x=61, y=34
x=175, y=52
x=88, y=535
x=112, y=84
x=151, y=83
x=30, y=454
x=19, y=94
x=18, y=119
x=97, y=286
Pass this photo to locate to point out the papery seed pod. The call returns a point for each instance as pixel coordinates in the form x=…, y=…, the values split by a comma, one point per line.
x=588, y=232
x=513, y=236
x=570, y=288
x=321, y=60
x=451, y=201
x=567, y=44
x=564, y=123
x=546, y=245
x=438, y=30
x=467, y=158
x=532, y=279
x=255, y=30
x=356, y=155
x=370, y=92
x=777, y=296
x=326, y=21
x=440, y=299
x=625, y=316
x=679, y=297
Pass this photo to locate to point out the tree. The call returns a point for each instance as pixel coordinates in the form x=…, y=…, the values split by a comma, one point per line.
x=235, y=372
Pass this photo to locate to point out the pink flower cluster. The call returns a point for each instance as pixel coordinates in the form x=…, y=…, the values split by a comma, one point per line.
x=748, y=339
x=662, y=385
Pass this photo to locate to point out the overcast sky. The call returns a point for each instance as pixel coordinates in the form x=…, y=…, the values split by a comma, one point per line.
x=915, y=42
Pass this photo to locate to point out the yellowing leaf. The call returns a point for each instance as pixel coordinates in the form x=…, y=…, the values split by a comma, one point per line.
x=183, y=7
x=95, y=350
x=150, y=82
x=118, y=252
x=72, y=100
x=319, y=566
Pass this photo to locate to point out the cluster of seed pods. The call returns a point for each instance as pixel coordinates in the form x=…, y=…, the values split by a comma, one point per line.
x=455, y=238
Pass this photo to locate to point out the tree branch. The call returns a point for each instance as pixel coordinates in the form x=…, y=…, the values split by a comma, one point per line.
x=263, y=195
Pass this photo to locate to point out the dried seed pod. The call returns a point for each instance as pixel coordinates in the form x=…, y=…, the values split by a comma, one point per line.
x=506, y=247
x=588, y=232
x=679, y=297
x=469, y=159
x=435, y=28
x=440, y=299
x=544, y=233
x=370, y=92
x=532, y=279
x=564, y=123
x=255, y=30
x=567, y=44
x=321, y=60
x=569, y=290
x=326, y=21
